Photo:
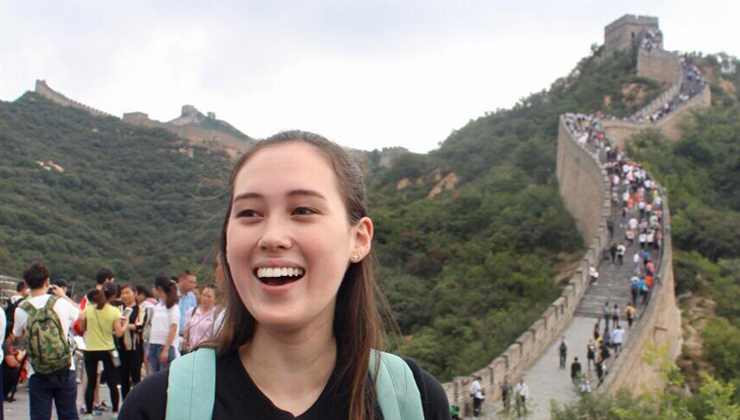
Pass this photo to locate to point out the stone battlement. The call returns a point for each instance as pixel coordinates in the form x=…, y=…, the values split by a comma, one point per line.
x=44, y=90
x=625, y=32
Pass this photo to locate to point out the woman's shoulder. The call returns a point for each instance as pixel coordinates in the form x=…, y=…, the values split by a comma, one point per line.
x=147, y=400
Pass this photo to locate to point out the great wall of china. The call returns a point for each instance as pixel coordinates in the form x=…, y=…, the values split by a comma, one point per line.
x=585, y=189
x=194, y=134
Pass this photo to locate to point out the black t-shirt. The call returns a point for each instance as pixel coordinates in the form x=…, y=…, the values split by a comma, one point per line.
x=237, y=397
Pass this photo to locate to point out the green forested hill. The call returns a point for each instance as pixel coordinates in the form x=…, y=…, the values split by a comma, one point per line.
x=127, y=198
x=465, y=271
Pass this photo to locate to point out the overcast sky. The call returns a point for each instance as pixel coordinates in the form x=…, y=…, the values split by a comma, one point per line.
x=367, y=74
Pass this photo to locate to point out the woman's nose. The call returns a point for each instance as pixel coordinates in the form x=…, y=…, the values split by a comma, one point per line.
x=275, y=236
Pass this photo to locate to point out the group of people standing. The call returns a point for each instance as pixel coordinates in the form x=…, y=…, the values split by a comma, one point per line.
x=520, y=392
x=128, y=330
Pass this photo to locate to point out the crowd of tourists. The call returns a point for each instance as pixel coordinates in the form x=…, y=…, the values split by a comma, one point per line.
x=114, y=335
x=519, y=392
x=637, y=206
x=692, y=84
x=652, y=40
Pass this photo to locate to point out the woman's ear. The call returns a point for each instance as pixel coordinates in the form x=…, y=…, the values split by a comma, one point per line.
x=362, y=238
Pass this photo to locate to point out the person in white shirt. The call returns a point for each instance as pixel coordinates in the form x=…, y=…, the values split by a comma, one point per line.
x=165, y=324
x=476, y=390
x=522, y=393
x=59, y=386
x=617, y=338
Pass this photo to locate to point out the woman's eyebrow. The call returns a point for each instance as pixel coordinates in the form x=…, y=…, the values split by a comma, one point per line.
x=292, y=193
x=247, y=195
x=310, y=193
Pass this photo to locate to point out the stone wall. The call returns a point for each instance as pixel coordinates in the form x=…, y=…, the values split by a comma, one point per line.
x=662, y=99
x=197, y=136
x=663, y=66
x=584, y=186
x=621, y=34
x=7, y=287
x=620, y=131
x=659, y=325
x=44, y=90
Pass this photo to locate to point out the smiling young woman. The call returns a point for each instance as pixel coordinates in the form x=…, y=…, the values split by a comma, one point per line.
x=302, y=327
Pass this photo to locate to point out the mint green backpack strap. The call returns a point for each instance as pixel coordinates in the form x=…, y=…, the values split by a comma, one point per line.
x=191, y=390
x=395, y=387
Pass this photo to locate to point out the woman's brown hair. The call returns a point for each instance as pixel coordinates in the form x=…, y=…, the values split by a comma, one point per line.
x=357, y=322
x=169, y=288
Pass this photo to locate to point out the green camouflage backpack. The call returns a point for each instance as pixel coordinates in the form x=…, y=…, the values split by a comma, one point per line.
x=47, y=346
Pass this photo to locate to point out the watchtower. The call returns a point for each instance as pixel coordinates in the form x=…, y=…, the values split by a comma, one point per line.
x=624, y=32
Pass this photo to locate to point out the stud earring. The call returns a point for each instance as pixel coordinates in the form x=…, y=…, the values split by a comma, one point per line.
x=355, y=257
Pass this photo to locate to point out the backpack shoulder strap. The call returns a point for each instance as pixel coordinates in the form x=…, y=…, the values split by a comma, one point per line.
x=395, y=387
x=50, y=303
x=191, y=390
x=26, y=306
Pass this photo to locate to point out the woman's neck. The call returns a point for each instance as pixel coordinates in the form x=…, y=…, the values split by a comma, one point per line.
x=130, y=304
x=291, y=369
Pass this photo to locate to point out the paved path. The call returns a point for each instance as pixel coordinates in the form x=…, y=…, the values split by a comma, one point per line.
x=18, y=410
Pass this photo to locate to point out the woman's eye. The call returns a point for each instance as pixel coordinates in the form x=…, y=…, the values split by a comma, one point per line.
x=247, y=213
x=303, y=211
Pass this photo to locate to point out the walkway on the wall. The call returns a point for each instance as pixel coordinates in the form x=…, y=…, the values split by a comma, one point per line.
x=545, y=379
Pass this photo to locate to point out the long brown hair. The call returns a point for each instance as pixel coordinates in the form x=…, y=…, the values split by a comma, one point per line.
x=358, y=326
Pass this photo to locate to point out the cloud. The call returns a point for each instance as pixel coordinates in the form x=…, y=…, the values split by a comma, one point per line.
x=367, y=74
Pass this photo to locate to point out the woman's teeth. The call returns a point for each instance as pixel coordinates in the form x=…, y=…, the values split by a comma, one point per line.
x=271, y=272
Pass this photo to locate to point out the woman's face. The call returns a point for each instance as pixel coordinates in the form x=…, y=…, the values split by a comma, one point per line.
x=127, y=296
x=288, y=218
x=158, y=293
x=207, y=297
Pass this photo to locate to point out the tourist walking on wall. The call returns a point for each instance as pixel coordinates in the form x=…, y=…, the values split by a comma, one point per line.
x=630, y=313
x=613, y=252
x=476, y=391
x=563, y=351
x=165, y=322
x=644, y=289
x=634, y=289
x=146, y=301
x=617, y=337
x=600, y=369
x=201, y=323
x=621, y=249
x=186, y=302
x=46, y=319
x=615, y=316
x=607, y=311
x=575, y=370
x=131, y=345
x=101, y=321
x=590, y=354
x=522, y=394
x=505, y=386
x=593, y=275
